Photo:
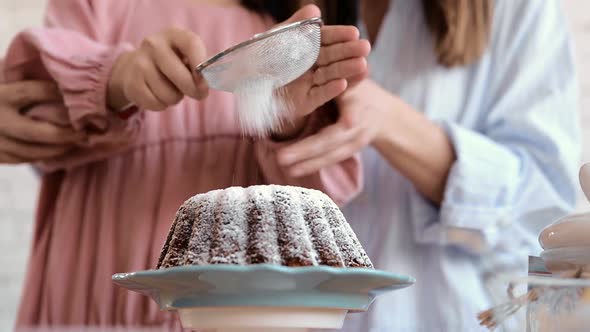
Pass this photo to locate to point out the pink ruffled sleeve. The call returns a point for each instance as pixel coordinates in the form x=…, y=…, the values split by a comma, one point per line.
x=342, y=181
x=76, y=55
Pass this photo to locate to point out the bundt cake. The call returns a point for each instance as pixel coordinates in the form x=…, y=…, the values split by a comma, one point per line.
x=267, y=224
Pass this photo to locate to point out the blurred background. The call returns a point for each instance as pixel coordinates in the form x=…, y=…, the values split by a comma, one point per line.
x=18, y=184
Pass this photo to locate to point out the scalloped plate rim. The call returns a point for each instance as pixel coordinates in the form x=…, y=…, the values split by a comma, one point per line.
x=356, y=296
x=402, y=279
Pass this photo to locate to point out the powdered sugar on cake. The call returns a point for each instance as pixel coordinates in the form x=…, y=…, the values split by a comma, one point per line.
x=268, y=224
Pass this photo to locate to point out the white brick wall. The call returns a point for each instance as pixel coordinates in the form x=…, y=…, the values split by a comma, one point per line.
x=18, y=186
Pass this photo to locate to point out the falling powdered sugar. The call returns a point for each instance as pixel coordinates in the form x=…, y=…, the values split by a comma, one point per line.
x=263, y=103
x=261, y=107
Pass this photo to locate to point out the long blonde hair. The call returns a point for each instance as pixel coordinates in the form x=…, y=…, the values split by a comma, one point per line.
x=461, y=29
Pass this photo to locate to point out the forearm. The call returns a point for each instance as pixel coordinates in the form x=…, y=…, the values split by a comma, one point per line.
x=418, y=148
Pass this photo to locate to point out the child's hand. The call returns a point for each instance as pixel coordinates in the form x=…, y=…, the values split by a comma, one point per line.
x=160, y=72
x=341, y=63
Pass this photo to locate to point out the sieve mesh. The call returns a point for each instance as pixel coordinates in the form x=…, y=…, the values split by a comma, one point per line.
x=256, y=70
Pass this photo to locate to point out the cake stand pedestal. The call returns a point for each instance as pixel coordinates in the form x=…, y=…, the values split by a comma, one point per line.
x=261, y=319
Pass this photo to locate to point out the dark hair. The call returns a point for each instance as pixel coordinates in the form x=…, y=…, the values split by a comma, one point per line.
x=461, y=28
x=343, y=12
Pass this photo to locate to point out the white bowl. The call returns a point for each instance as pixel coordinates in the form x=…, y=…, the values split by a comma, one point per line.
x=570, y=231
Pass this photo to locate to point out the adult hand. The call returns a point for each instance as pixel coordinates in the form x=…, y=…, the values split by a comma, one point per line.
x=411, y=143
x=341, y=63
x=23, y=139
x=158, y=74
x=364, y=111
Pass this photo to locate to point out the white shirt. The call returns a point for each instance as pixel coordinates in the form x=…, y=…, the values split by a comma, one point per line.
x=513, y=123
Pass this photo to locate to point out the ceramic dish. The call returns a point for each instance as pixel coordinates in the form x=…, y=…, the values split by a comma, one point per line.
x=262, y=285
x=235, y=298
x=571, y=231
x=565, y=259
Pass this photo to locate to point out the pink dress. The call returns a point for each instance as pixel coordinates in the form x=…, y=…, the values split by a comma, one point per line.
x=107, y=207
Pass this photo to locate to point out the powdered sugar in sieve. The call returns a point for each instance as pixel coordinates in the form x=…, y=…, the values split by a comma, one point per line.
x=256, y=70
